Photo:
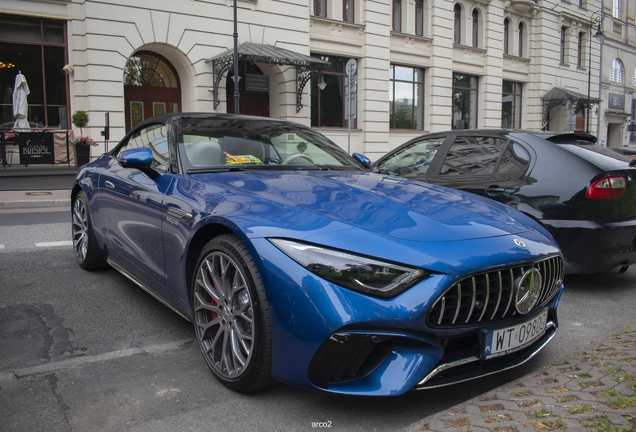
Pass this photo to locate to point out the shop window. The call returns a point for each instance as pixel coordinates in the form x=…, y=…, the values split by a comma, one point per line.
x=406, y=96
x=37, y=49
x=328, y=104
x=465, y=93
x=511, y=105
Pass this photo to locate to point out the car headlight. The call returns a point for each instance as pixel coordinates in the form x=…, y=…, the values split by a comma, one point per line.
x=355, y=272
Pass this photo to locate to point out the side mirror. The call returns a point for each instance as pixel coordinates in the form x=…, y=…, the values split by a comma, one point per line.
x=362, y=160
x=136, y=158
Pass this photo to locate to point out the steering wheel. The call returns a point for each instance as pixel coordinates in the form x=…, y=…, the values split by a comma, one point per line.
x=293, y=157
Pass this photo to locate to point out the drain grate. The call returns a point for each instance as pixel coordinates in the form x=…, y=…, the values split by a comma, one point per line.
x=38, y=193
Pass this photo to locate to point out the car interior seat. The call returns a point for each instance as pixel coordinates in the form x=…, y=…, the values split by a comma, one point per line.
x=205, y=153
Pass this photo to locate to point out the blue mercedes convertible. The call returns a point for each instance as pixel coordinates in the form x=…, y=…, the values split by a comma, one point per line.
x=295, y=264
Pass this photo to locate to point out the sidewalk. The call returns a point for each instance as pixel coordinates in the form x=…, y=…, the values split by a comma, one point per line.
x=592, y=391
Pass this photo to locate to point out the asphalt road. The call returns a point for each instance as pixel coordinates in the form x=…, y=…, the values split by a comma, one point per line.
x=90, y=351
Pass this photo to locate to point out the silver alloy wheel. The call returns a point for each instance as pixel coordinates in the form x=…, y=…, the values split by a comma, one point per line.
x=80, y=229
x=224, y=318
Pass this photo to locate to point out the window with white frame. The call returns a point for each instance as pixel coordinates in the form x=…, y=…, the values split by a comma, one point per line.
x=348, y=11
x=320, y=8
x=397, y=15
x=634, y=79
x=406, y=96
x=419, y=17
x=616, y=9
x=617, y=71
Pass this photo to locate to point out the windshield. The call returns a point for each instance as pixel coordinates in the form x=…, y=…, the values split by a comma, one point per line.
x=221, y=144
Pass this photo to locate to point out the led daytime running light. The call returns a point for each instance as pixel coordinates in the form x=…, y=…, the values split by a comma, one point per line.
x=355, y=272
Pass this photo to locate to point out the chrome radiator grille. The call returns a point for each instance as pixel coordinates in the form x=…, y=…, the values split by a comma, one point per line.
x=489, y=297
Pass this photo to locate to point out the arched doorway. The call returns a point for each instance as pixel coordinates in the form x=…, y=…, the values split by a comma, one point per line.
x=253, y=90
x=151, y=87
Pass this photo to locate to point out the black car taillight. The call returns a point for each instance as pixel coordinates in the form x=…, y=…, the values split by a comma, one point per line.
x=609, y=187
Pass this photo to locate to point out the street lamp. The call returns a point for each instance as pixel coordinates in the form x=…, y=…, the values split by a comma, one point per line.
x=595, y=21
x=236, y=78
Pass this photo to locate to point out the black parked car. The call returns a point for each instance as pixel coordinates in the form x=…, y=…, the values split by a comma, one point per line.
x=583, y=193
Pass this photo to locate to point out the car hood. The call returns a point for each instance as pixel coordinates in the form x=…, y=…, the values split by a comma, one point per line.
x=388, y=205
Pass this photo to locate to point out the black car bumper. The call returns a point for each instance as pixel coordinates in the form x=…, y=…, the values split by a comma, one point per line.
x=591, y=247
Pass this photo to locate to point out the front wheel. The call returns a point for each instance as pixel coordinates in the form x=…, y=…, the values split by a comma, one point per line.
x=231, y=315
x=87, y=253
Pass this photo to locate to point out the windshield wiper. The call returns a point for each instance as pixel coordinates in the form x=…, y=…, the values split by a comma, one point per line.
x=216, y=169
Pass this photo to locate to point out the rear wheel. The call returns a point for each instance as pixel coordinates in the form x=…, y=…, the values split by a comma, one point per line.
x=231, y=315
x=87, y=253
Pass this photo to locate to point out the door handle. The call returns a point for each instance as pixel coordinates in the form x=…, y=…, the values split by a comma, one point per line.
x=109, y=184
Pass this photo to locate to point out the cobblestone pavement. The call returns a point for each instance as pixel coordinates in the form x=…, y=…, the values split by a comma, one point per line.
x=591, y=391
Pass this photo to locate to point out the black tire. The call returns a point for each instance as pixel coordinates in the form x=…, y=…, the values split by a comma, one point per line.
x=87, y=253
x=232, y=326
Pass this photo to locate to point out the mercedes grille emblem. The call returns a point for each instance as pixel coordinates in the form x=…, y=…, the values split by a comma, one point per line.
x=520, y=243
x=528, y=290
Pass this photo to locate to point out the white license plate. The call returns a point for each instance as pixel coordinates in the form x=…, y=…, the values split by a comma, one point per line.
x=506, y=340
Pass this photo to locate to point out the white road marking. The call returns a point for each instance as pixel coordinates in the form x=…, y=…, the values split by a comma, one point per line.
x=79, y=361
x=55, y=243
x=1, y=246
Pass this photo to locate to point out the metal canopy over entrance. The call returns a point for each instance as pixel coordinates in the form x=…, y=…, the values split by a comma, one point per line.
x=262, y=53
x=559, y=96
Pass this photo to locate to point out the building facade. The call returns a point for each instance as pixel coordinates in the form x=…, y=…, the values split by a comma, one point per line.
x=422, y=65
x=618, y=106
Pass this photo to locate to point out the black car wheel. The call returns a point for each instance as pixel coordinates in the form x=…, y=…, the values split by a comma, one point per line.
x=87, y=252
x=231, y=315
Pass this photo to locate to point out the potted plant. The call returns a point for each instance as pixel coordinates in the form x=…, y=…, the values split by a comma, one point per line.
x=83, y=144
x=80, y=120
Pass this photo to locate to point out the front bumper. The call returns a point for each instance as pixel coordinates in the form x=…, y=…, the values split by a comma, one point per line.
x=332, y=339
